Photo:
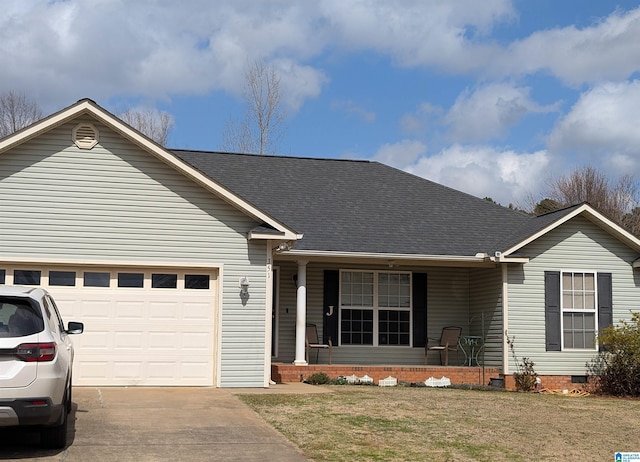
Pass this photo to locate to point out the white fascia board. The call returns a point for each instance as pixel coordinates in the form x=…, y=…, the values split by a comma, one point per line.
x=42, y=126
x=592, y=215
x=89, y=107
x=271, y=236
x=513, y=260
x=383, y=256
x=54, y=261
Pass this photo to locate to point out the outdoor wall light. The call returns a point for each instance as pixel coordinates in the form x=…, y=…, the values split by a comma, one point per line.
x=244, y=285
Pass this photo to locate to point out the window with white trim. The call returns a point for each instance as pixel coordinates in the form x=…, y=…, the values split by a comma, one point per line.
x=579, y=310
x=375, y=308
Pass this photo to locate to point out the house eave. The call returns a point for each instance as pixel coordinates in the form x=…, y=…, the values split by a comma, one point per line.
x=276, y=235
x=390, y=259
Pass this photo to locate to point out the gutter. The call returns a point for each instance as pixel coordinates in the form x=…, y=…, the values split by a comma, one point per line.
x=390, y=257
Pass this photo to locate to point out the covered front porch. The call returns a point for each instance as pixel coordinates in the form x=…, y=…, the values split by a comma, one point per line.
x=283, y=373
x=420, y=301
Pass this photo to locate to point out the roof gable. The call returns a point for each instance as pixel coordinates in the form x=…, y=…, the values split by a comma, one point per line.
x=543, y=224
x=90, y=108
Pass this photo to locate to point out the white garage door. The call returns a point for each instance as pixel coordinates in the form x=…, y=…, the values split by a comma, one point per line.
x=143, y=326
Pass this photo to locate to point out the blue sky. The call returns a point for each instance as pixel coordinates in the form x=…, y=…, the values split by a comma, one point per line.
x=493, y=98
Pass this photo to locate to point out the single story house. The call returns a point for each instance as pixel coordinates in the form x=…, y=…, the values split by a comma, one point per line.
x=204, y=268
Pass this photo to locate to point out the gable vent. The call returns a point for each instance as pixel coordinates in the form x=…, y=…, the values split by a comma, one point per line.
x=85, y=136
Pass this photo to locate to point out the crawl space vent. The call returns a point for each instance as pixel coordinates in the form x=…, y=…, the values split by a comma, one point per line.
x=85, y=136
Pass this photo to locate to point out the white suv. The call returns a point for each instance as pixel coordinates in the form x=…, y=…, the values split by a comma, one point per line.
x=36, y=355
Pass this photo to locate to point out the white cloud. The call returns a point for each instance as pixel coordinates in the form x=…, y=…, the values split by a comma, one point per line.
x=507, y=177
x=59, y=52
x=489, y=111
x=419, y=32
x=607, y=50
x=65, y=50
x=401, y=154
x=602, y=128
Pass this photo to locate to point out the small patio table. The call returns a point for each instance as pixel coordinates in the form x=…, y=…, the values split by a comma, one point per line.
x=471, y=345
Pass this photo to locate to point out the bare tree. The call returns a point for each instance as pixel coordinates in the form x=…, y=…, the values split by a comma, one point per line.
x=17, y=111
x=262, y=127
x=618, y=200
x=153, y=123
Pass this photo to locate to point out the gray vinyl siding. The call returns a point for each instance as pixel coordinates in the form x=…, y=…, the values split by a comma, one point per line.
x=486, y=304
x=447, y=304
x=118, y=203
x=578, y=245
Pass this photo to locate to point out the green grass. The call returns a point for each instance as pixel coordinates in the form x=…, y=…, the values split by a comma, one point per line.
x=424, y=424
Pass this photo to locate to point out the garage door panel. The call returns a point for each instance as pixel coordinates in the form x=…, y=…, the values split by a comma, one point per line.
x=93, y=340
x=95, y=310
x=162, y=370
x=165, y=311
x=129, y=341
x=200, y=311
x=196, y=342
x=140, y=370
x=90, y=372
x=162, y=341
x=131, y=310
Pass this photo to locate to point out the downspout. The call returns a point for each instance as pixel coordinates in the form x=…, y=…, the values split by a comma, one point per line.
x=268, y=334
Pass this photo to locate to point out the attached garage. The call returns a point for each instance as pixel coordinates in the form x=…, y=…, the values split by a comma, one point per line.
x=152, y=326
x=143, y=248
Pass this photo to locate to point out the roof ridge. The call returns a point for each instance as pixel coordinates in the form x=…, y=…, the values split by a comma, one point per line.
x=273, y=156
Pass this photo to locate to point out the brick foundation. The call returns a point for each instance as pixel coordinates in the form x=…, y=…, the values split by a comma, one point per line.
x=282, y=373
x=550, y=382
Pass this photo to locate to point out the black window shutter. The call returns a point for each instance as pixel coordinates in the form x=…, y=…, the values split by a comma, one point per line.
x=605, y=301
x=331, y=297
x=552, y=310
x=419, y=309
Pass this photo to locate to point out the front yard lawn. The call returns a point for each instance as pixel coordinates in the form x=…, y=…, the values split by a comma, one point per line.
x=368, y=423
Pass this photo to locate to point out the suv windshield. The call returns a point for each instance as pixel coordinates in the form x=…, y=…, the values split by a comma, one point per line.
x=18, y=318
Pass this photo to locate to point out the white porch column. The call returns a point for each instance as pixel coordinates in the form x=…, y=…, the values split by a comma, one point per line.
x=301, y=314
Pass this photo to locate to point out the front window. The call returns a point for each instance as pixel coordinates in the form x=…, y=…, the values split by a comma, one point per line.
x=375, y=308
x=579, y=310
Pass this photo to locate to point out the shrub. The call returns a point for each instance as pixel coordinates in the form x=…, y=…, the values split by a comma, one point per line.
x=319, y=378
x=616, y=369
x=525, y=376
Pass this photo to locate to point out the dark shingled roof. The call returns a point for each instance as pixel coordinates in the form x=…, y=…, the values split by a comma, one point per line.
x=362, y=206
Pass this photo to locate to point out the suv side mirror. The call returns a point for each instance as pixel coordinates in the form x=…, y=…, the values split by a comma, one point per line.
x=75, y=328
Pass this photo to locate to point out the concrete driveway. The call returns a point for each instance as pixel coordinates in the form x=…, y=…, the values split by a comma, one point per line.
x=157, y=424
